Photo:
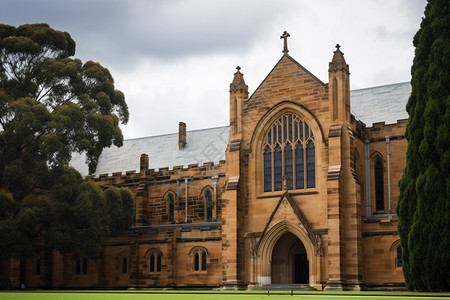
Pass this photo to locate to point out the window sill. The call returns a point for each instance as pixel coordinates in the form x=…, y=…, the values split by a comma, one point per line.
x=312, y=191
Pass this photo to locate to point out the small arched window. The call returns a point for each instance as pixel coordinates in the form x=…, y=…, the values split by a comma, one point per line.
x=209, y=205
x=289, y=150
x=170, y=207
x=379, y=191
x=155, y=261
x=199, y=255
x=81, y=266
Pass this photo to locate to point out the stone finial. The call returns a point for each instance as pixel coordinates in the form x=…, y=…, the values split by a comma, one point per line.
x=238, y=84
x=284, y=36
x=338, y=61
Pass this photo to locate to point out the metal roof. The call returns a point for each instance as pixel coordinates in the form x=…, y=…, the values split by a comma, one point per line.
x=384, y=103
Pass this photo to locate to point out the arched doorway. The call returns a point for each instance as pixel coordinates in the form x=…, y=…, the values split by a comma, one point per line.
x=289, y=262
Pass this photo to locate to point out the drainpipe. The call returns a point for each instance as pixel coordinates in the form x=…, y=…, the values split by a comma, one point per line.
x=178, y=199
x=215, y=178
x=389, y=153
x=367, y=169
x=186, y=184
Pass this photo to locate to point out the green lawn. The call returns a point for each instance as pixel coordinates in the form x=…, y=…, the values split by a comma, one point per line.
x=203, y=295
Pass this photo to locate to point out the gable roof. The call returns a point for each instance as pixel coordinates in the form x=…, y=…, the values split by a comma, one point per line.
x=377, y=104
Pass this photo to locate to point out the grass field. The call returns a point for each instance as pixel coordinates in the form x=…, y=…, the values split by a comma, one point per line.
x=188, y=295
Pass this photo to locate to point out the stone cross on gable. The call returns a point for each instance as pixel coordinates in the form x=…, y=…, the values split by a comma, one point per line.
x=284, y=36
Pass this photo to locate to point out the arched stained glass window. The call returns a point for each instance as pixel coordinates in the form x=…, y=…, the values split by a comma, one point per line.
x=209, y=205
x=289, y=150
x=170, y=204
x=379, y=191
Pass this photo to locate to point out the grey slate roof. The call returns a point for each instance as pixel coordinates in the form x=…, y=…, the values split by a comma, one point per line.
x=206, y=145
x=384, y=103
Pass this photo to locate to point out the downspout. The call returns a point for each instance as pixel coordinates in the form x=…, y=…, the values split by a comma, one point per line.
x=186, y=183
x=178, y=200
x=367, y=169
x=215, y=178
x=389, y=153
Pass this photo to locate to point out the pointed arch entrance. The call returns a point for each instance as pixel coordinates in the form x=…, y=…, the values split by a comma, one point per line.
x=290, y=242
x=289, y=263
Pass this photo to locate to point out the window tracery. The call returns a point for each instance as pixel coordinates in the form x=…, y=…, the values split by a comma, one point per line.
x=289, y=150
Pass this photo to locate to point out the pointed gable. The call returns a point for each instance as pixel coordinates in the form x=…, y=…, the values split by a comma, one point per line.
x=287, y=73
x=287, y=81
x=288, y=211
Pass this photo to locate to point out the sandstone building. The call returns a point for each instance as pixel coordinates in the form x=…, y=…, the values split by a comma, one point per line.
x=300, y=188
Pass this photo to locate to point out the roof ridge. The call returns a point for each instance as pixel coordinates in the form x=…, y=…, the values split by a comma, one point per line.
x=379, y=86
x=176, y=133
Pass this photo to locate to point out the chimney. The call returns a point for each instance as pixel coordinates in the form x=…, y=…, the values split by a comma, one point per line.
x=181, y=135
x=144, y=164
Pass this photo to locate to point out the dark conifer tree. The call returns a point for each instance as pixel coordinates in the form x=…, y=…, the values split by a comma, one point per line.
x=424, y=204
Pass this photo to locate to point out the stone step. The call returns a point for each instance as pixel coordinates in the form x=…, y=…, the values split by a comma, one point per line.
x=285, y=287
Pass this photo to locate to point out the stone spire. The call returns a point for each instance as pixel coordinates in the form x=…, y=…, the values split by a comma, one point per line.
x=238, y=84
x=338, y=61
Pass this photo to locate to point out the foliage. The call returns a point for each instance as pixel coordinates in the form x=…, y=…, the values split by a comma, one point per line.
x=52, y=105
x=120, y=204
x=424, y=206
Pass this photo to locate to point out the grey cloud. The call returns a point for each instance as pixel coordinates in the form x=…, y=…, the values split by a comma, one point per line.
x=119, y=32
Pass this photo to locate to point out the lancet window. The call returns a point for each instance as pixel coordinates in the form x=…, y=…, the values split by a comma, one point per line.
x=289, y=150
x=379, y=191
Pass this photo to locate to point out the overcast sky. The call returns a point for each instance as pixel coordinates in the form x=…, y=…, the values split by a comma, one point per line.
x=175, y=59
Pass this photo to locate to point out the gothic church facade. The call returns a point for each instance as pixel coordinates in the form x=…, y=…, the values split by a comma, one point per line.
x=296, y=190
